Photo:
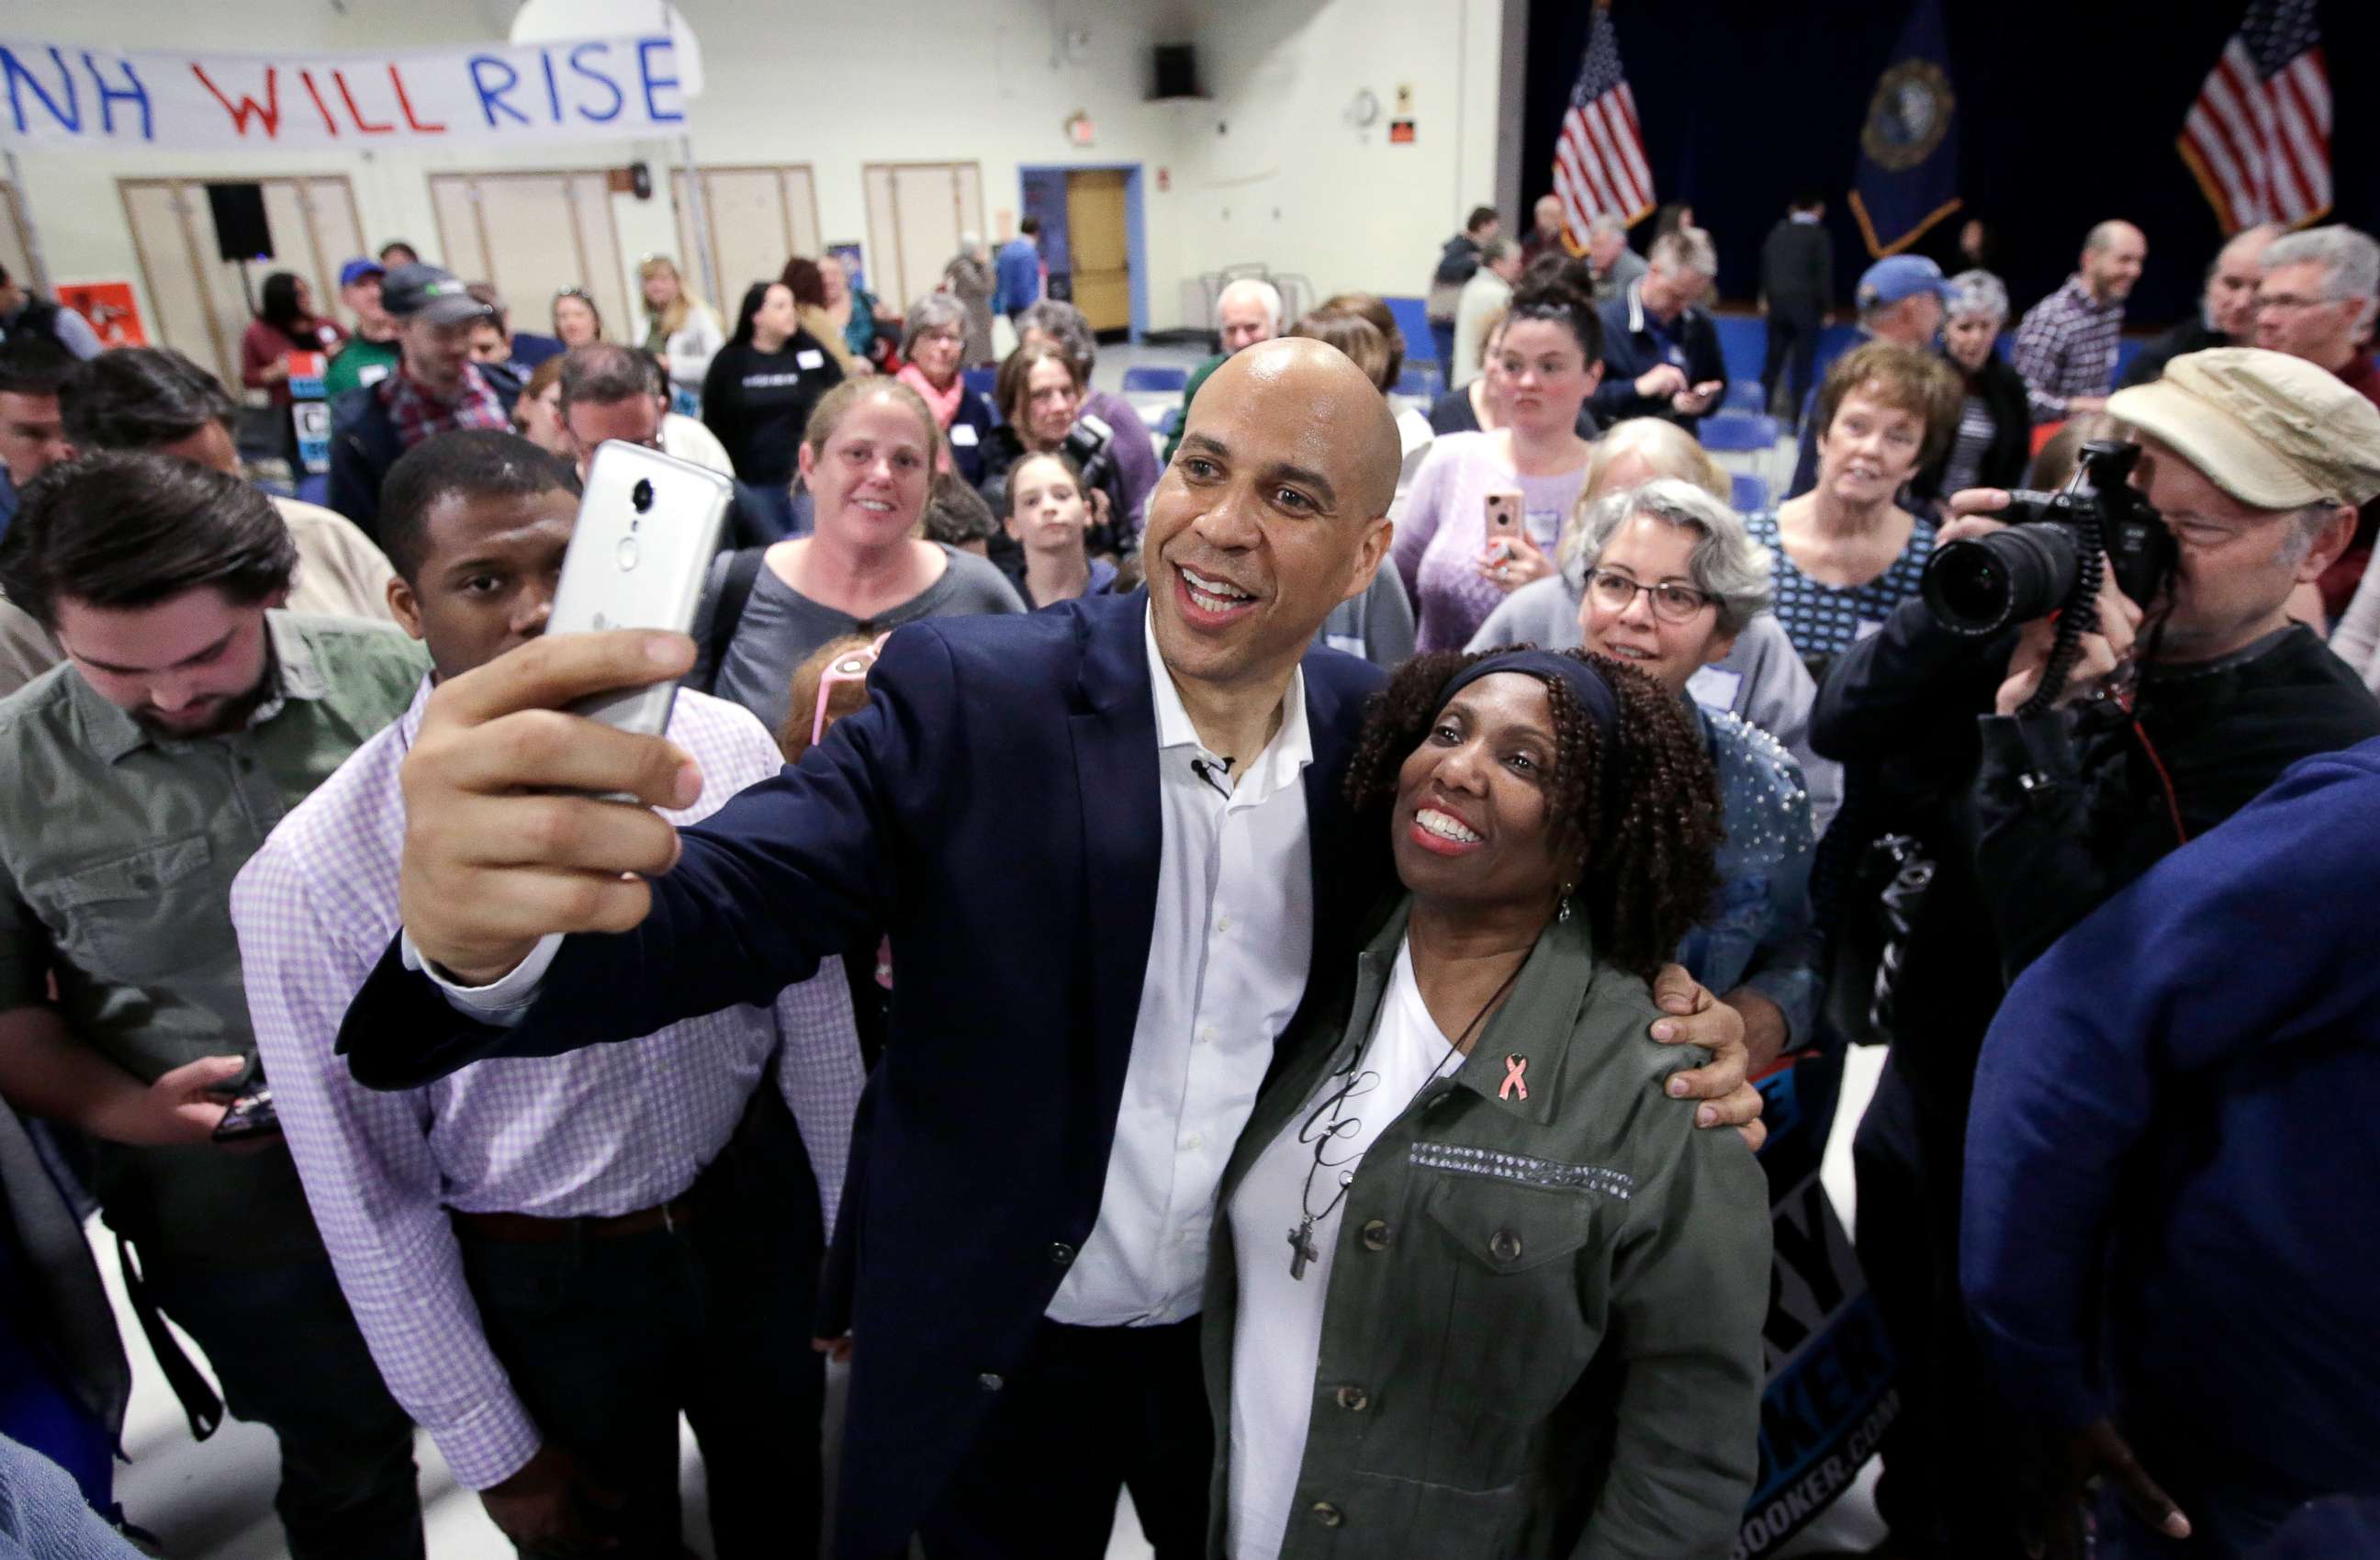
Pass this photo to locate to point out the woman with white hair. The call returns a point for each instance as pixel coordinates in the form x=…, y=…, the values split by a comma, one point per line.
x=1994, y=438
x=1675, y=579
x=1759, y=676
x=933, y=349
x=969, y=279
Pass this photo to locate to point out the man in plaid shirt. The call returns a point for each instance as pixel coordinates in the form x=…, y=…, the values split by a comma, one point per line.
x=2066, y=344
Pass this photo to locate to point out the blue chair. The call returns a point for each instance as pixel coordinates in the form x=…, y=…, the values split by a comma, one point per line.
x=1172, y=423
x=1737, y=432
x=1751, y=495
x=314, y=489
x=1746, y=395
x=1419, y=380
x=1155, y=378
x=980, y=381
x=1412, y=315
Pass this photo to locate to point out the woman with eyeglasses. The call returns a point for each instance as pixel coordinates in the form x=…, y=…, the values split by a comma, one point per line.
x=576, y=321
x=1671, y=579
x=1477, y=1287
x=933, y=339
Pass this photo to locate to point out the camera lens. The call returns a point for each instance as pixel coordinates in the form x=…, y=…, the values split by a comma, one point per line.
x=640, y=497
x=1980, y=587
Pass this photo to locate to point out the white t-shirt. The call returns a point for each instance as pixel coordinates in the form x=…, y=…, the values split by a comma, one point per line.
x=1279, y=1336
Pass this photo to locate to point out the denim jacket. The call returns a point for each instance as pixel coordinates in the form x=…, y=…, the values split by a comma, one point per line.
x=1542, y=1333
x=1760, y=934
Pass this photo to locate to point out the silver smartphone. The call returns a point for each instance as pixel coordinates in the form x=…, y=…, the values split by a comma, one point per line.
x=649, y=526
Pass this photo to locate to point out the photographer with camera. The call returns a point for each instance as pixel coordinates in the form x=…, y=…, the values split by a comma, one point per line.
x=2089, y=679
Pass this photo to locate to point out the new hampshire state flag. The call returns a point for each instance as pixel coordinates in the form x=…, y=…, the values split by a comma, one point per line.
x=1909, y=148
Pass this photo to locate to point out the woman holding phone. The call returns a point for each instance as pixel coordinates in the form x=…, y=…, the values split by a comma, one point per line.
x=1486, y=510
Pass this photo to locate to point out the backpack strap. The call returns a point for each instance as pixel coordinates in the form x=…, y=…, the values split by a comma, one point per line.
x=735, y=594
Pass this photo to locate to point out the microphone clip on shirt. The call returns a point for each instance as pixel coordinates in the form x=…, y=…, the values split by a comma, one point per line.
x=1207, y=772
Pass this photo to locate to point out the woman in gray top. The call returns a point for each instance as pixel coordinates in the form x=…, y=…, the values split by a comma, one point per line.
x=869, y=460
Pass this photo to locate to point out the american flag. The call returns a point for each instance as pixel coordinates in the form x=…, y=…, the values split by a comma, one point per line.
x=1599, y=158
x=2258, y=138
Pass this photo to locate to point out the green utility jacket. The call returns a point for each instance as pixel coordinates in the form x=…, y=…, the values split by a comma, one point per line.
x=1542, y=1336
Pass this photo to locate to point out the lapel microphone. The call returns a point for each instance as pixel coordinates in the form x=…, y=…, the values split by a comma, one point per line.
x=1207, y=772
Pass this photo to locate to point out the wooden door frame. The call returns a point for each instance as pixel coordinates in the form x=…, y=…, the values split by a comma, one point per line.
x=958, y=206
x=710, y=208
x=1136, y=222
x=480, y=223
x=195, y=254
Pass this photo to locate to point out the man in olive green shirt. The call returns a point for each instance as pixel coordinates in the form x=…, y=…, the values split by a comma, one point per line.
x=139, y=777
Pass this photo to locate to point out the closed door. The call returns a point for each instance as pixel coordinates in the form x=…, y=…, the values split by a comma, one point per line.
x=1101, y=250
x=757, y=218
x=916, y=212
x=532, y=235
x=198, y=302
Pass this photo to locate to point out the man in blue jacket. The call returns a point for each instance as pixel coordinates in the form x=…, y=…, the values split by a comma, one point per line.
x=2169, y=1245
x=1108, y=844
x=1017, y=270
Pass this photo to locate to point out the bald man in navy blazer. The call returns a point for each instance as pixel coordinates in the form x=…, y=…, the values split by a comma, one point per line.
x=1109, y=845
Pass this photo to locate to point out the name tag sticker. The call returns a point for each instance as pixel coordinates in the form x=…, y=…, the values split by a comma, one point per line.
x=810, y=359
x=963, y=435
x=1715, y=687
x=1350, y=643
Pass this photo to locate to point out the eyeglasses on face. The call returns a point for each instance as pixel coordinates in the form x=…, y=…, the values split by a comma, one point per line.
x=1676, y=604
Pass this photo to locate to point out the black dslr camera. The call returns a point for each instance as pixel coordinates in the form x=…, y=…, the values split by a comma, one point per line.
x=2047, y=559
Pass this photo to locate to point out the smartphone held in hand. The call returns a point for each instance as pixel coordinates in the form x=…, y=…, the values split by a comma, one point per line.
x=649, y=526
x=1503, y=520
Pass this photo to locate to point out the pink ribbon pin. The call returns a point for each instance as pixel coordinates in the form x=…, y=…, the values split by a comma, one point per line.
x=1514, y=1068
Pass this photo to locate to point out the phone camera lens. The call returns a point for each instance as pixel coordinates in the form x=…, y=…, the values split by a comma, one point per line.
x=641, y=497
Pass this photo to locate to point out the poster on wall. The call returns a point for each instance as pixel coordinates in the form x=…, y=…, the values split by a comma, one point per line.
x=110, y=308
x=848, y=253
x=71, y=97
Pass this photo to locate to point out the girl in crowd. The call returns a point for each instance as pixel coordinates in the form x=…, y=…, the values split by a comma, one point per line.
x=1135, y=453
x=868, y=461
x=681, y=332
x=807, y=281
x=933, y=342
x=831, y=684
x=1847, y=552
x=1994, y=436
x=1549, y=358
x=1672, y=579
x=1047, y=515
x=537, y=415
x=576, y=320
x=851, y=311
x=969, y=278
x=1517, y=1312
x=764, y=384
x=1040, y=396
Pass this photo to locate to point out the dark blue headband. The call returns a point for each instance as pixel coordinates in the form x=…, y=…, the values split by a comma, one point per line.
x=1586, y=682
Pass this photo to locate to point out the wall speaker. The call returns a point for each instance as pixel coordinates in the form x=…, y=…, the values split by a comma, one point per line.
x=241, y=232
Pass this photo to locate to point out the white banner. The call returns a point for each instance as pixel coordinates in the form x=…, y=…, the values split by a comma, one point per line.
x=66, y=97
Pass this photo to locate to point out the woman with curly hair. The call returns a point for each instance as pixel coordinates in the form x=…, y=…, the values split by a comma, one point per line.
x=1475, y=1292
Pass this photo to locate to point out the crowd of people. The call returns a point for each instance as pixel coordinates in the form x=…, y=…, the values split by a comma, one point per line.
x=1264, y=973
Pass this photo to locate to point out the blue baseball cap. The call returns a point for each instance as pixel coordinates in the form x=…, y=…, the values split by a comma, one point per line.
x=1896, y=277
x=358, y=269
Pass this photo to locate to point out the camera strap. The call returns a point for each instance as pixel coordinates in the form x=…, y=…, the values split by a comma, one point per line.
x=200, y=1404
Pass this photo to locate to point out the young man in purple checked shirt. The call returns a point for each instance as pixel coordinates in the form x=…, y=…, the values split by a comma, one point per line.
x=551, y=1258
